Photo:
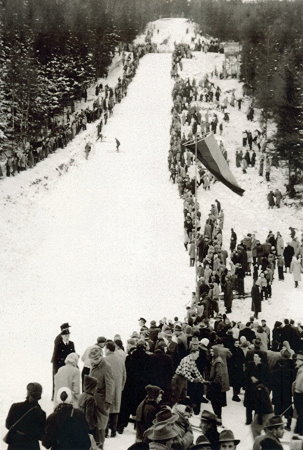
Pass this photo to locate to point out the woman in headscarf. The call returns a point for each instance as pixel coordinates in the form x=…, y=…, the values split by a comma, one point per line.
x=66, y=428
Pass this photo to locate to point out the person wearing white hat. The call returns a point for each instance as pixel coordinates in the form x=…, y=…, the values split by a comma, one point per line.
x=66, y=428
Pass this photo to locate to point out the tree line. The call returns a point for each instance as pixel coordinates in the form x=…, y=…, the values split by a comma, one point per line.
x=51, y=50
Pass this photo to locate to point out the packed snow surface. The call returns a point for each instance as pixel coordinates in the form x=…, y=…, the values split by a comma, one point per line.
x=102, y=244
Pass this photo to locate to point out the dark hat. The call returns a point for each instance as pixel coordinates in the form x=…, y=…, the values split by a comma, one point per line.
x=65, y=325
x=208, y=416
x=178, y=327
x=153, y=323
x=201, y=442
x=227, y=436
x=143, y=320
x=101, y=340
x=65, y=332
x=161, y=432
x=274, y=421
x=34, y=389
x=165, y=416
x=153, y=391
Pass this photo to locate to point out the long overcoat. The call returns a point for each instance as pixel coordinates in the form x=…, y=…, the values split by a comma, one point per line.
x=105, y=390
x=256, y=299
x=119, y=372
x=295, y=269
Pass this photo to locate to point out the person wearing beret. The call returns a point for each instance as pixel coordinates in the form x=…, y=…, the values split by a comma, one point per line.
x=26, y=421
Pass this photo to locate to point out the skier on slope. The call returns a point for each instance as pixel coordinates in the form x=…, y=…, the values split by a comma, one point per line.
x=117, y=144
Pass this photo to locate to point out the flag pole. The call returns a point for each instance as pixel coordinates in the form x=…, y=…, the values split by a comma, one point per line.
x=196, y=252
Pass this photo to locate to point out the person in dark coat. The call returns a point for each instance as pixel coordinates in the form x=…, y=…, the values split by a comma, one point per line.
x=274, y=431
x=277, y=334
x=256, y=299
x=248, y=333
x=161, y=369
x=27, y=433
x=66, y=428
x=233, y=240
x=256, y=373
x=137, y=366
x=236, y=364
x=87, y=404
x=282, y=378
x=288, y=253
x=63, y=347
x=147, y=410
x=208, y=424
x=228, y=294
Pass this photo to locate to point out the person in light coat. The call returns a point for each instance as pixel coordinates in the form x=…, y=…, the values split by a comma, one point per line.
x=119, y=372
x=69, y=376
x=102, y=371
x=279, y=244
x=295, y=269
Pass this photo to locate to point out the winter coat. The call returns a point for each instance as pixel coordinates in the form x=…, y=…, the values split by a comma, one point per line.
x=66, y=429
x=145, y=414
x=282, y=378
x=137, y=367
x=296, y=269
x=256, y=299
x=228, y=294
x=117, y=365
x=61, y=351
x=87, y=404
x=236, y=367
x=105, y=390
x=185, y=437
x=271, y=199
x=68, y=376
x=288, y=254
x=260, y=372
x=161, y=369
x=31, y=427
x=219, y=374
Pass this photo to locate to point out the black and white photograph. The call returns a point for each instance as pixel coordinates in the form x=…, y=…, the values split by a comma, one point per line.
x=151, y=226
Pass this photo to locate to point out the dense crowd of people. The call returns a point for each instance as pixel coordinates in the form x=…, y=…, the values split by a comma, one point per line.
x=169, y=369
x=59, y=134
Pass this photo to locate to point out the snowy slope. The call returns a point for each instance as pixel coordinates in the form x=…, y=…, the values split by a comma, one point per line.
x=99, y=248
x=103, y=244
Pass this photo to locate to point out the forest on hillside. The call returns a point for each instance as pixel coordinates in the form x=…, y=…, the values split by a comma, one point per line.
x=51, y=50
